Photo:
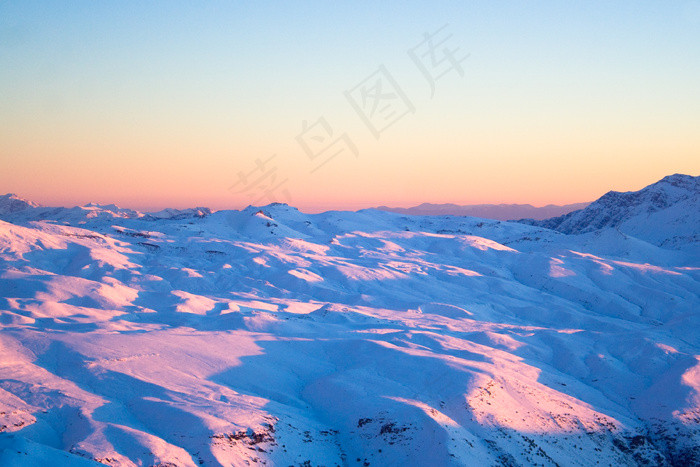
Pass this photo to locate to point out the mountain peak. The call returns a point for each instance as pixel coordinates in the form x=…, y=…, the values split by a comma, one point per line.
x=11, y=203
x=660, y=195
x=665, y=213
x=687, y=182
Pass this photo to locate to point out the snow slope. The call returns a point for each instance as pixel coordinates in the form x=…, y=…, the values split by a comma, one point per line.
x=271, y=337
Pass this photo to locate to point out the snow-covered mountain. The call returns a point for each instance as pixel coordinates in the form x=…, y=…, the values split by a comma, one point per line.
x=21, y=210
x=488, y=211
x=666, y=213
x=11, y=203
x=271, y=337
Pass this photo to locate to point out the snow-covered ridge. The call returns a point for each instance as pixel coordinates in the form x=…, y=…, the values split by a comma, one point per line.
x=19, y=209
x=11, y=203
x=268, y=336
x=666, y=213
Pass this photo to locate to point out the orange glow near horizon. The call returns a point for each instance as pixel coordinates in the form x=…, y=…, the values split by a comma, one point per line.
x=543, y=112
x=151, y=174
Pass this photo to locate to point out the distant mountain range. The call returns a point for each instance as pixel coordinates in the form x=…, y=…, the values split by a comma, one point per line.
x=501, y=212
x=13, y=204
x=21, y=209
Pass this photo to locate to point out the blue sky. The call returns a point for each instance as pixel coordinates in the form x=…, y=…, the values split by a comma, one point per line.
x=149, y=104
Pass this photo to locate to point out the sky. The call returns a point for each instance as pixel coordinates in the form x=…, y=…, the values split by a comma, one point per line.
x=345, y=105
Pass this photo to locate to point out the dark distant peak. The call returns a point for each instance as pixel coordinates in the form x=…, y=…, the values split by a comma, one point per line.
x=438, y=205
x=489, y=211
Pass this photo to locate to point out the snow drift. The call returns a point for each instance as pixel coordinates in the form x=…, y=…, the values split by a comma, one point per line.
x=271, y=337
